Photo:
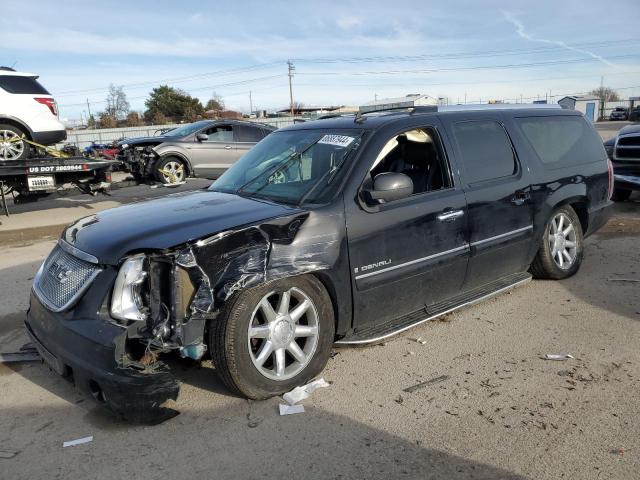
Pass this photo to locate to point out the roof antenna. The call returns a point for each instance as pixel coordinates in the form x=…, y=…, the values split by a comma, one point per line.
x=359, y=117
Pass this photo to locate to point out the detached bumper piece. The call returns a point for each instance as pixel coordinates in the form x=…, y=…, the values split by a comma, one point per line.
x=84, y=352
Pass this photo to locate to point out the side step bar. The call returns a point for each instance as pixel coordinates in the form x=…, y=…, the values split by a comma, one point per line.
x=375, y=333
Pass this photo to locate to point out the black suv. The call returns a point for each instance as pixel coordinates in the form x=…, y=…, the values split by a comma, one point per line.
x=346, y=230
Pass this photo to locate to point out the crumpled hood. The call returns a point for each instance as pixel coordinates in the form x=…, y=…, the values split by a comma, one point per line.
x=132, y=142
x=166, y=222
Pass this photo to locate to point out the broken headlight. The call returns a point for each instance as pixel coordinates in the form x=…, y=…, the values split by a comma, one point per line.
x=127, y=300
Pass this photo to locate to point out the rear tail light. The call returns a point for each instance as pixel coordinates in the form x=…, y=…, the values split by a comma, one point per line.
x=610, y=169
x=49, y=102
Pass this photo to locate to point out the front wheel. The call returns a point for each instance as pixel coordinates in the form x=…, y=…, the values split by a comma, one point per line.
x=170, y=170
x=274, y=337
x=561, y=247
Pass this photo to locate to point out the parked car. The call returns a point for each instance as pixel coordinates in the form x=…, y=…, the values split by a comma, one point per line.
x=619, y=113
x=203, y=149
x=634, y=114
x=624, y=152
x=345, y=230
x=27, y=110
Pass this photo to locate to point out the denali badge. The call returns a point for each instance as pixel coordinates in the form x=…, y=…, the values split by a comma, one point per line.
x=59, y=272
x=364, y=268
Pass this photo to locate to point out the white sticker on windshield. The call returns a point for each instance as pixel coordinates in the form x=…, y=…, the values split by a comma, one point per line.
x=337, y=140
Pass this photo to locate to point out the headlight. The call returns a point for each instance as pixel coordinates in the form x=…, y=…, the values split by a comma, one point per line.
x=126, y=301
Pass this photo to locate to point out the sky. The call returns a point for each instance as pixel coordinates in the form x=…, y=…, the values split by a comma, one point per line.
x=344, y=52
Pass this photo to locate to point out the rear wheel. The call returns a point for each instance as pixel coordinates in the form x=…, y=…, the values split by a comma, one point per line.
x=620, y=195
x=170, y=170
x=560, y=249
x=271, y=338
x=11, y=145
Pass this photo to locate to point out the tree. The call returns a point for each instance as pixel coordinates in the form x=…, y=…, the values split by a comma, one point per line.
x=117, y=104
x=106, y=120
x=605, y=94
x=91, y=122
x=172, y=102
x=190, y=114
x=133, y=119
x=215, y=103
x=158, y=118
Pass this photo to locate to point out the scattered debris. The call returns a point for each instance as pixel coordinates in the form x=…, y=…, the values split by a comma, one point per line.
x=334, y=353
x=399, y=400
x=455, y=414
x=291, y=409
x=253, y=420
x=559, y=357
x=300, y=393
x=8, y=453
x=433, y=381
x=16, y=357
x=633, y=280
x=421, y=341
x=79, y=441
x=619, y=451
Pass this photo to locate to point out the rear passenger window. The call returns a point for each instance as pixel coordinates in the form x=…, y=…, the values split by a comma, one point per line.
x=21, y=85
x=486, y=150
x=562, y=140
x=247, y=133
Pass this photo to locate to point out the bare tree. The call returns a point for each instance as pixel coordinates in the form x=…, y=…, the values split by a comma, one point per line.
x=133, y=119
x=215, y=103
x=117, y=104
x=605, y=94
x=106, y=120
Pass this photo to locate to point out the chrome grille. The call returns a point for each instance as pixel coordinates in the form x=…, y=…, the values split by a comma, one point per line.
x=62, y=279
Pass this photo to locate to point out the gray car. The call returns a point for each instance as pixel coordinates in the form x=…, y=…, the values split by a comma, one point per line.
x=202, y=149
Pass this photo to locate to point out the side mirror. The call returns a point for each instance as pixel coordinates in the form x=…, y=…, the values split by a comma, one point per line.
x=390, y=186
x=202, y=137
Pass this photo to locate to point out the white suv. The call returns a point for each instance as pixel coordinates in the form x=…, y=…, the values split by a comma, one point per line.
x=26, y=108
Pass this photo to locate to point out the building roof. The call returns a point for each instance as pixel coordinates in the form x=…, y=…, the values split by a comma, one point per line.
x=580, y=97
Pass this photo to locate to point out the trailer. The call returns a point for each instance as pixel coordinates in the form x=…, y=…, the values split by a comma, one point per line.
x=32, y=178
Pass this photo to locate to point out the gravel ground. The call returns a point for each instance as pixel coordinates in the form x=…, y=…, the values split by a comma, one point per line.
x=501, y=411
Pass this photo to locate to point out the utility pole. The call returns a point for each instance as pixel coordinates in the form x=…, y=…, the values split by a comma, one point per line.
x=291, y=70
x=250, y=104
x=88, y=108
x=602, y=97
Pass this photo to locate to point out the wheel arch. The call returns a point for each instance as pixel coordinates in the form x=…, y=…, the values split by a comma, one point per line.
x=342, y=322
x=163, y=154
x=18, y=124
x=580, y=205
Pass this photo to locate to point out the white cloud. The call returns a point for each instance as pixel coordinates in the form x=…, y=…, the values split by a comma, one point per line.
x=348, y=22
x=520, y=30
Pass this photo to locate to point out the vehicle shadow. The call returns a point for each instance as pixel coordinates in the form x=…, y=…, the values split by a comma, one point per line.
x=238, y=439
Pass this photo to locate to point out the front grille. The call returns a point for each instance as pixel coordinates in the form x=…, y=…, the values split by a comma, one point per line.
x=62, y=279
x=628, y=148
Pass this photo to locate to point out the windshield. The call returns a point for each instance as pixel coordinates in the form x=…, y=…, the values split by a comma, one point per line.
x=291, y=166
x=185, y=130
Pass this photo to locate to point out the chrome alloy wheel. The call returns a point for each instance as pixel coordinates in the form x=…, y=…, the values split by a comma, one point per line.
x=11, y=147
x=562, y=241
x=283, y=334
x=173, y=172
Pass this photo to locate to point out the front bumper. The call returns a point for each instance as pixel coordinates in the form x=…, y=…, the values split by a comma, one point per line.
x=85, y=351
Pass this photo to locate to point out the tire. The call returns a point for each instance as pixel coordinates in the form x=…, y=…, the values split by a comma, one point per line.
x=12, y=150
x=173, y=165
x=547, y=263
x=620, y=195
x=237, y=357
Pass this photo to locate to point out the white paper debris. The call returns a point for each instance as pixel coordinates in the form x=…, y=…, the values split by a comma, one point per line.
x=8, y=453
x=300, y=393
x=558, y=356
x=79, y=441
x=421, y=341
x=290, y=409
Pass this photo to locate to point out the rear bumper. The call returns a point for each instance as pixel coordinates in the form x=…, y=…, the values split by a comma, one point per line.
x=85, y=350
x=50, y=137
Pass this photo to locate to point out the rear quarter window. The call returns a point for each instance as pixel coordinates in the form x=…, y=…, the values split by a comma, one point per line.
x=22, y=85
x=562, y=140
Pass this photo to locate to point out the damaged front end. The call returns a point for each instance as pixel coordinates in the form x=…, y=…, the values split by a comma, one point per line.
x=160, y=301
x=138, y=159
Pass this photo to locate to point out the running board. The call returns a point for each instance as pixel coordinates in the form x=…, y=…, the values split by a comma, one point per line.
x=375, y=333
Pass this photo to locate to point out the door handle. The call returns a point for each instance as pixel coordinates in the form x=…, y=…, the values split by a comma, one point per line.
x=450, y=215
x=519, y=197
x=227, y=147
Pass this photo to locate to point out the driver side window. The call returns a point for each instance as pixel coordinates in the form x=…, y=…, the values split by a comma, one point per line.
x=417, y=154
x=220, y=133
